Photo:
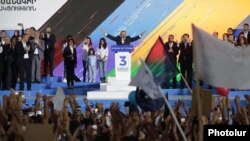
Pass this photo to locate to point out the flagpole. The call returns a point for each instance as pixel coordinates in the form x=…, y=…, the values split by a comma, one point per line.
x=198, y=97
x=173, y=115
x=185, y=81
x=199, y=108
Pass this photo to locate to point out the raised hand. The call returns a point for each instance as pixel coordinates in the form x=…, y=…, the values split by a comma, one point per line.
x=103, y=31
x=99, y=106
x=20, y=24
x=228, y=103
x=85, y=100
x=237, y=99
x=247, y=97
x=143, y=33
x=148, y=118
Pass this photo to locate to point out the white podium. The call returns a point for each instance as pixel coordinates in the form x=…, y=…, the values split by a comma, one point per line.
x=122, y=61
x=117, y=87
x=123, y=66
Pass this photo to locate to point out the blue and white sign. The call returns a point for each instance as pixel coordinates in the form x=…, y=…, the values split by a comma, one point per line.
x=122, y=48
x=123, y=65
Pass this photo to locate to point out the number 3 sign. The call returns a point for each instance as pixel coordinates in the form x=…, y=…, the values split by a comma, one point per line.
x=123, y=61
x=123, y=65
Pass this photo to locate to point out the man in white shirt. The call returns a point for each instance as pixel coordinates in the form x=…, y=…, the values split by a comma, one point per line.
x=38, y=46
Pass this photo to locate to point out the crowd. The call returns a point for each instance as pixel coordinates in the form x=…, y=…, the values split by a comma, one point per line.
x=99, y=123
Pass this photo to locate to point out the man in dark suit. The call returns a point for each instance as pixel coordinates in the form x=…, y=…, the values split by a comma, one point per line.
x=246, y=32
x=2, y=36
x=186, y=60
x=2, y=44
x=9, y=62
x=122, y=39
x=23, y=59
x=49, y=44
x=70, y=60
x=172, y=48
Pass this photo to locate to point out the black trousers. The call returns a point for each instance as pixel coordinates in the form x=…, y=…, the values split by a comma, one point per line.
x=70, y=66
x=187, y=72
x=167, y=83
x=174, y=77
x=48, y=59
x=24, y=68
x=1, y=73
x=14, y=76
x=85, y=68
x=8, y=72
x=174, y=82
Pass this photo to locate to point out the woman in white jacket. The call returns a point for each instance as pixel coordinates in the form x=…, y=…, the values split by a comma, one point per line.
x=102, y=58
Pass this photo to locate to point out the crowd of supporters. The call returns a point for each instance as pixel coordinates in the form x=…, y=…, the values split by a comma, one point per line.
x=99, y=123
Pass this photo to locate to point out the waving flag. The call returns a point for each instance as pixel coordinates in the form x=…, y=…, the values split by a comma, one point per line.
x=58, y=99
x=160, y=63
x=144, y=80
x=219, y=63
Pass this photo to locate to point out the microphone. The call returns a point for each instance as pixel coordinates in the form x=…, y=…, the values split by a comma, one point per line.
x=20, y=24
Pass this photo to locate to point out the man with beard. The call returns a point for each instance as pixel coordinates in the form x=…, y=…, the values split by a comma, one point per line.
x=172, y=49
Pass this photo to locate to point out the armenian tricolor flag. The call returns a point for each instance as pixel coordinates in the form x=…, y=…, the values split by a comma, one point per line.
x=160, y=63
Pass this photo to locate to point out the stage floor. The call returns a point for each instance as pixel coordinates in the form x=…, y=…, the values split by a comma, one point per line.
x=80, y=88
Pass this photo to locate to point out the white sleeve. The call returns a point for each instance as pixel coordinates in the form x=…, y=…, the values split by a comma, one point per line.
x=98, y=51
x=64, y=46
x=107, y=52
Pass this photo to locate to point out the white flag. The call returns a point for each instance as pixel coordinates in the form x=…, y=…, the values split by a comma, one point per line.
x=58, y=99
x=219, y=63
x=144, y=80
